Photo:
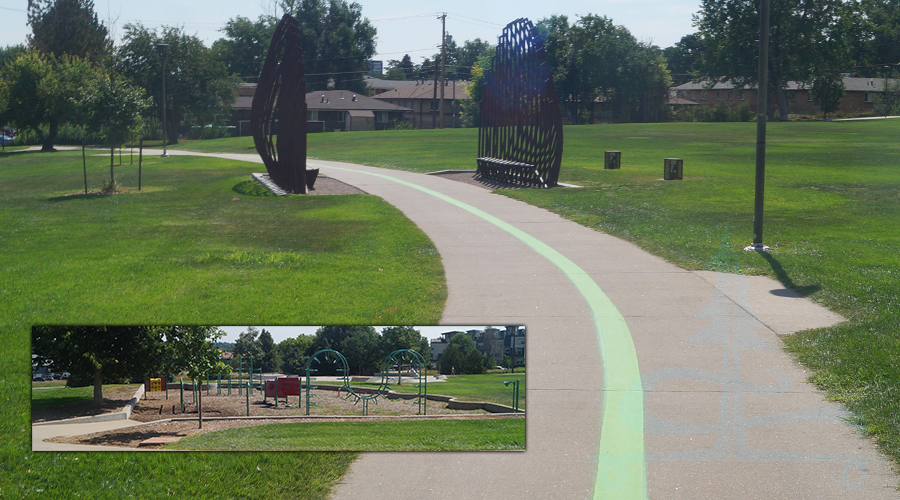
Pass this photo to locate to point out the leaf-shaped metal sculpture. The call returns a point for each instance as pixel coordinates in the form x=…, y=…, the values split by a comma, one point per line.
x=520, y=138
x=278, y=114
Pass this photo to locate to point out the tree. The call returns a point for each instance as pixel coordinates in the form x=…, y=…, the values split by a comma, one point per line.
x=246, y=43
x=461, y=356
x=874, y=29
x=268, y=361
x=683, y=58
x=193, y=349
x=294, y=354
x=593, y=58
x=198, y=87
x=403, y=69
x=68, y=27
x=337, y=42
x=42, y=93
x=363, y=350
x=9, y=54
x=827, y=91
x=247, y=344
x=113, y=108
x=99, y=354
x=405, y=337
x=806, y=37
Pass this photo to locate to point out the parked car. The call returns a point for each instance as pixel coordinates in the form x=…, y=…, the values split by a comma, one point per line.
x=38, y=378
x=5, y=139
x=65, y=375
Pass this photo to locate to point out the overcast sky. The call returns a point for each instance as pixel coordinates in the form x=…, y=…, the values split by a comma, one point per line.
x=403, y=27
x=280, y=333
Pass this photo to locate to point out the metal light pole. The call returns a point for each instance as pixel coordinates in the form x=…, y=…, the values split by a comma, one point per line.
x=761, y=116
x=163, y=49
x=443, y=19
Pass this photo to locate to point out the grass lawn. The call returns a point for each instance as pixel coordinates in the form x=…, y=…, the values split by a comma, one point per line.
x=195, y=246
x=47, y=397
x=832, y=203
x=418, y=435
x=487, y=387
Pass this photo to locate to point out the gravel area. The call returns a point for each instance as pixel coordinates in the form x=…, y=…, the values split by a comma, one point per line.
x=327, y=185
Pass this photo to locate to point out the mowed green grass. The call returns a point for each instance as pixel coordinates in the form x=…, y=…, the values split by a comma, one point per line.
x=488, y=387
x=50, y=396
x=832, y=206
x=198, y=245
x=415, y=435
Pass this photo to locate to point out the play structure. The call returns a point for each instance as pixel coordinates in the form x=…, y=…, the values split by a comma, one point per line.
x=278, y=111
x=412, y=358
x=520, y=139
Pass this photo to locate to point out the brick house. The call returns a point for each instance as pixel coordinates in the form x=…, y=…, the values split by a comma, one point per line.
x=423, y=100
x=859, y=95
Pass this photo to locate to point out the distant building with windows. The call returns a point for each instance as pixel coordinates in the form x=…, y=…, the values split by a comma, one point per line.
x=495, y=342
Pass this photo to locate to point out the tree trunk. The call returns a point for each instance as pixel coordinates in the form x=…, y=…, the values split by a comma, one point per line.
x=782, y=104
x=98, y=387
x=112, y=162
x=47, y=140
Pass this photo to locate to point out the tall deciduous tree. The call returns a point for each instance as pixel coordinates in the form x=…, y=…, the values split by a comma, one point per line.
x=594, y=58
x=198, y=88
x=68, y=27
x=405, y=337
x=806, y=38
x=248, y=345
x=99, y=354
x=42, y=93
x=245, y=45
x=294, y=353
x=363, y=351
x=875, y=35
x=337, y=42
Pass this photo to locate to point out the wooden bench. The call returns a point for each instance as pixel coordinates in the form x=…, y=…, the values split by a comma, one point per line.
x=510, y=171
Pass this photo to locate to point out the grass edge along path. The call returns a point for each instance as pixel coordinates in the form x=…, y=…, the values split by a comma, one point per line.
x=489, y=434
x=55, y=276
x=621, y=470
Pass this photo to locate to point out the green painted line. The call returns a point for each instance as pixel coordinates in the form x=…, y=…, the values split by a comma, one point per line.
x=621, y=471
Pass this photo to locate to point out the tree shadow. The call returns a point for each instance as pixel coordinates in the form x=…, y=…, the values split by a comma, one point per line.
x=784, y=278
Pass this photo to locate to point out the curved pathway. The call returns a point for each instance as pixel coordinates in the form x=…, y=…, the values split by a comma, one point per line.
x=645, y=380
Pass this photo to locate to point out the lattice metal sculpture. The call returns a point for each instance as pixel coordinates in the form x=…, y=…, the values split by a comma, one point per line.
x=520, y=139
x=278, y=114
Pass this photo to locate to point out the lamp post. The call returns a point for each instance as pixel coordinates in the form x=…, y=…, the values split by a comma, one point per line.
x=163, y=49
x=761, y=110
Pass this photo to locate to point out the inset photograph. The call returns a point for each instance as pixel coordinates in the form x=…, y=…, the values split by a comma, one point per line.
x=278, y=388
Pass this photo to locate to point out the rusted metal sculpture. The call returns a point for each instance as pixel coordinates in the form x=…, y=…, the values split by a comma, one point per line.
x=520, y=139
x=278, y=114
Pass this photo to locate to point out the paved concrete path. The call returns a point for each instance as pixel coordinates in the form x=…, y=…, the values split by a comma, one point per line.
x=713, y=409
x=41, y=432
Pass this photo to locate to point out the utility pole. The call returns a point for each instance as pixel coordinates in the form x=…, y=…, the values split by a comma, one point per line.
x=443, y=19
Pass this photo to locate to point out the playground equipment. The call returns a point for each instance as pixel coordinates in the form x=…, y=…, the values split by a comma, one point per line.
x=398, y=358
x=515, y=393
x=327, y=355
x=283, y=387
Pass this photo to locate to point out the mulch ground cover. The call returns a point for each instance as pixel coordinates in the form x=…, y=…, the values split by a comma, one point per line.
x=163, y=416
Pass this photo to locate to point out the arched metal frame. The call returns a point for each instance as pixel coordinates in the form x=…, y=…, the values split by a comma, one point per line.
x=278, y=112
x=327, y=355
x=416, y=359
x=520, y=138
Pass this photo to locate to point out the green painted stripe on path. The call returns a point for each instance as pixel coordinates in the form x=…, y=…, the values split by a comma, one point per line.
x=621, y=472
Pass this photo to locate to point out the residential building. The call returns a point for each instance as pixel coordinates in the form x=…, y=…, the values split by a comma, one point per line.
x=496, y=342
x=423, y=98
x=327, y=111
x=859, y=95
x=378, y=86
x=341, y=110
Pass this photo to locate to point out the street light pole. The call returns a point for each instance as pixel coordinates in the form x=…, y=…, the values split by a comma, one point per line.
x=761, y=116
x=163, y=49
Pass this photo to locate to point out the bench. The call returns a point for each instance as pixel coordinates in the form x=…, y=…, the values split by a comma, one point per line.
x=510, y=171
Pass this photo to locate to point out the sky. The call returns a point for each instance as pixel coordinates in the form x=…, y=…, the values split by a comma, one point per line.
x=403, y=27
x=280, y=333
